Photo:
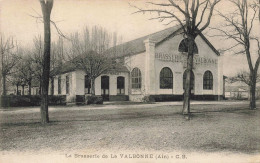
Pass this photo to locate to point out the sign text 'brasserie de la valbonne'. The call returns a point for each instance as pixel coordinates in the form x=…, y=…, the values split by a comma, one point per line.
x=183, y=59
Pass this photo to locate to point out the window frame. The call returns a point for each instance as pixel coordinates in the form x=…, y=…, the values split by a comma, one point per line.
x=67, y=84
x=120, y=83
x=208, y=80
x=164, y=77
x=136, y=78
x=183, y=46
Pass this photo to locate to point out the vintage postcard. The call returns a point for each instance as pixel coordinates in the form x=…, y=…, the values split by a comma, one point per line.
x=129, y=81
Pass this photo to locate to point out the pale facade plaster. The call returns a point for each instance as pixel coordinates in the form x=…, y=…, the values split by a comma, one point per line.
x=150, y=68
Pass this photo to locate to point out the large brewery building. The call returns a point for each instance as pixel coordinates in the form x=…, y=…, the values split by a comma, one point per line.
x=153, y=67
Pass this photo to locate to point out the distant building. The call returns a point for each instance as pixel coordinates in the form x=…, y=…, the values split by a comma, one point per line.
x=23, y=90
x=239, y=92
x=153, y=66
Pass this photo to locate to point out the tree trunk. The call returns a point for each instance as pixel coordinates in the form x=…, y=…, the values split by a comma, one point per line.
x=4, y=85
x=23, y=89
x=252, y=91
x=92, y=86
x=46, y=11
x=187, y=89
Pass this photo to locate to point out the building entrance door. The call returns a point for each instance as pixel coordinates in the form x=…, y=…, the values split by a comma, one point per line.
x=105, y=87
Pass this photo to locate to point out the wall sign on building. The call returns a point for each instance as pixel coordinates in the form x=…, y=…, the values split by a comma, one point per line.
x=170, y=57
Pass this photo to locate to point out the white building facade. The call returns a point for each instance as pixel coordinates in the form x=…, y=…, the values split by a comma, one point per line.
x=154, y=67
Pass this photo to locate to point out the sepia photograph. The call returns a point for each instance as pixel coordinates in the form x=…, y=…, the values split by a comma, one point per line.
x=168, y=81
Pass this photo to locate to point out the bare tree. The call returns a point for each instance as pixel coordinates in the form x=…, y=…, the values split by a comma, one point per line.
x=238, y=27
x=9, y=52
x=194, y=16
x=244, y=77
x=58, y=53
x=87, y=53
x=26, y=72
x=36, y=56
x=15, y=80
x=46, y=6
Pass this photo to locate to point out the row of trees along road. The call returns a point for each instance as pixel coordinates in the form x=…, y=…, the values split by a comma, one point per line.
x=10, y=56
x=28, y=65
x=28, y=71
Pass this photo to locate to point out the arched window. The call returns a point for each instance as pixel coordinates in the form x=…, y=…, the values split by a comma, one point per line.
x=136, y=78
x=183, y=47
x=192, y=79
x=208, y=80
x=120, y=85
x=166, y=78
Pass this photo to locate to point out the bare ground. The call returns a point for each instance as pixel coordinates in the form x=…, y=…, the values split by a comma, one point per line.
x=153, y=127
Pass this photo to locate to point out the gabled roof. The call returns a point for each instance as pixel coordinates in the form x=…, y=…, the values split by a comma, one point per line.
x=117, y=67
x=137, y=46
x=66, y=67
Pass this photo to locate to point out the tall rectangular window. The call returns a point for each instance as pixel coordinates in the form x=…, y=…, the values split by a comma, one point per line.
x=59, y=85
x=52, y=86
x=120, y=85
x=136, y=78
x=208, y=80
x=166, y=78
x=67, y=84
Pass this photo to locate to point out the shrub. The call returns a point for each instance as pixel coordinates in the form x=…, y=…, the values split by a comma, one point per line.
x=94, y=99
x=148, y=99
x=57, y=99
x=30, y=100
x=80, y=99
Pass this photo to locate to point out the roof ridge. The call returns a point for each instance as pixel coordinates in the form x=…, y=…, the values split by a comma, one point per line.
x=146, y=35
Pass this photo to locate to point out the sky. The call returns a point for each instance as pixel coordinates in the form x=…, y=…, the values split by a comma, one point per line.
x=114, y=15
